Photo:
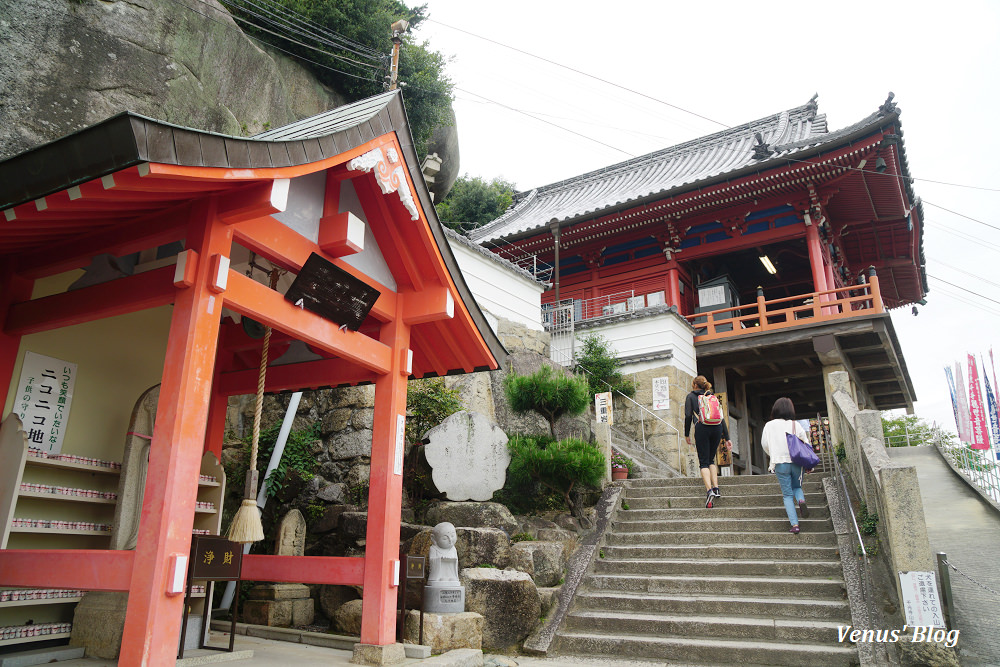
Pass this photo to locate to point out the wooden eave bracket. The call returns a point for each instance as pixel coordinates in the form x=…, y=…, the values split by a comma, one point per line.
x=341, y=234
x=254, y=201
x=431, y=304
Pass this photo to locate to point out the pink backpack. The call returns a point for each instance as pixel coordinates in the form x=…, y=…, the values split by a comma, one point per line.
x=709, y=409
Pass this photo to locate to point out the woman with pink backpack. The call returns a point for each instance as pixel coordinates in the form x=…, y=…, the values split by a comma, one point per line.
x=702, y=408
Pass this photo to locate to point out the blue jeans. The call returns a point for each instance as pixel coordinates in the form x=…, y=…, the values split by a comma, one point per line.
x=790, y=479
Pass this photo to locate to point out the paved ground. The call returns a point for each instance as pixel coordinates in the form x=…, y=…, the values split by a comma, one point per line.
x=967, y=528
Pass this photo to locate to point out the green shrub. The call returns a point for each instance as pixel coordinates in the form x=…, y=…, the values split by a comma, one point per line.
x=548, y=393
x=561, y=465
x=867, y=521
x=598, y=363
x=522, y=537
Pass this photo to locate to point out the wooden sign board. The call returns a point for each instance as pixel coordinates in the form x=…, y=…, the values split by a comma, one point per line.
x=215, y=558
x=327, y=290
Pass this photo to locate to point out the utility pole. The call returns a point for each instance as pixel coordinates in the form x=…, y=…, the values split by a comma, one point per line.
x=398, y=28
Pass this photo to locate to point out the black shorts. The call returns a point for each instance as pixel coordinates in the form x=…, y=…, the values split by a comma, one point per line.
x=706, y=441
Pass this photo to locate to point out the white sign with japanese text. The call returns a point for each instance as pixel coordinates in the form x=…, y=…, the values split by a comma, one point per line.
x=920, y=599
x=397, y=464
x=44, y=396
x=661, y=393
x=602, y=406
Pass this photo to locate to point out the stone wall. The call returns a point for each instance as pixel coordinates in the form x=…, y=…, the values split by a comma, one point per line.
x=181, y=61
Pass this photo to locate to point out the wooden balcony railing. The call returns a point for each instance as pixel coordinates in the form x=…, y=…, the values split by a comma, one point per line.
x=815, y=307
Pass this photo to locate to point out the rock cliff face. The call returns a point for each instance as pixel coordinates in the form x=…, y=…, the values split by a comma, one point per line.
x=67, y=64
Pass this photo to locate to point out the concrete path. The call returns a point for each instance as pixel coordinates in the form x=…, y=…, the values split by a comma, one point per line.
x=967, y=528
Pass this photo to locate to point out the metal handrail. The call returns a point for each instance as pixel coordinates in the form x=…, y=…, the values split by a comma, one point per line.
x=644, y=410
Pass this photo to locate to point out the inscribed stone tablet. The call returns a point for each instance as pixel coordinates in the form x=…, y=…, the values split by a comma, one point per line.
x=468, y=456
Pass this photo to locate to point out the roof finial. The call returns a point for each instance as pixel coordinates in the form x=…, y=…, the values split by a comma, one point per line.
x=888, y=106
x=761, y=151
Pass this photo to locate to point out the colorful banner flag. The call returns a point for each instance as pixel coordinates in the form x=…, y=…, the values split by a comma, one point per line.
x=964, y=427
x=991, y=407
x=977, y=411
x=954, y=399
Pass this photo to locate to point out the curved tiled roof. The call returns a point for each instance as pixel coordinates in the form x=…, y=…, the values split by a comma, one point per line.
x=674, y=169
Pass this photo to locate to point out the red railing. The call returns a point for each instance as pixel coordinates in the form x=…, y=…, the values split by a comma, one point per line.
x=815, y=307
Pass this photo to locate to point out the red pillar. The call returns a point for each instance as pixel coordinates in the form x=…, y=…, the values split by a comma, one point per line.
x=13, y=289
x=816, y=258
x=153, y=619
x=831, y=284
x=378, y=615
x=673, y=285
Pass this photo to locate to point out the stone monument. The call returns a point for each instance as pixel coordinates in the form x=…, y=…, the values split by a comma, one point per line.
x=283, y=605
x=444, y=592
x=468, y=456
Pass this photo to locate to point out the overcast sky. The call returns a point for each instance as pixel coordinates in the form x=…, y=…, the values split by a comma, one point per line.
x=715, y=64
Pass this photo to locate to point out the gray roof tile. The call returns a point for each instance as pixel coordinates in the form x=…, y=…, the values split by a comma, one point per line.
x=672, y=169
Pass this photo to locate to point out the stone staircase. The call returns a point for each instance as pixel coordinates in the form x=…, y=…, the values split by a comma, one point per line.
x=678, y=582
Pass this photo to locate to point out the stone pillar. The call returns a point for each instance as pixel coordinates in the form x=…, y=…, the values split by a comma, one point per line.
x=602, y=431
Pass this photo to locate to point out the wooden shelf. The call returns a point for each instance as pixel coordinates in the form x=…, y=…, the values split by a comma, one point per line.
x=24, y=603
x=59, y=496
x=36, y=638
x=209, y=484
x=205, y=511
x=70, y=465
x=59, y=531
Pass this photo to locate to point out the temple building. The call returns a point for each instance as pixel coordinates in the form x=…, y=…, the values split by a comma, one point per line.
x=136, y=255
x=763, y=256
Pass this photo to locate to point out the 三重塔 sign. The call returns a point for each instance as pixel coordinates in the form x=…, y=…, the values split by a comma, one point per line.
x=44, y=395
x=602, y=406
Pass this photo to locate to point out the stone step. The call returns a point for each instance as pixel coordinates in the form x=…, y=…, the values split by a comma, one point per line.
x=712, y=651
x=759, y=586
x=721, y=627
x=724, y=482
x=726, y=605
x=698, y=500
x=782, y=537
x=718, y=522
x=702, y=512
x=682, y=491
x=720, y=567
x=731, y=551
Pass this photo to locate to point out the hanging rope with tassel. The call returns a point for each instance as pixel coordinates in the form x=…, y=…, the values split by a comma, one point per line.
x=246, y=527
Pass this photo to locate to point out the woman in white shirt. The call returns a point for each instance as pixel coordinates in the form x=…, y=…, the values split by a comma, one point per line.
x=775, y=444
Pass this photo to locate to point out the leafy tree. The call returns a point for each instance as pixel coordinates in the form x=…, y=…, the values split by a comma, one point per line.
x=472, y=202
x=599, y=365
x=428, y=403
x=548, y=393
x=358, y=73
x=558, y=465
x=910, y=430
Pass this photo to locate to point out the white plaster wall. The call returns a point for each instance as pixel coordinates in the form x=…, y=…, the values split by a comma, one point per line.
x=369, y=261
x=649, y=335
x=498, y=290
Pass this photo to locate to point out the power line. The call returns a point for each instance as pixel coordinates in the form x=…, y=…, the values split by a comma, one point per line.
x=981, y=296
x=582, y=73
x=542, y=120
x=961, y=215
x=968, y=273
